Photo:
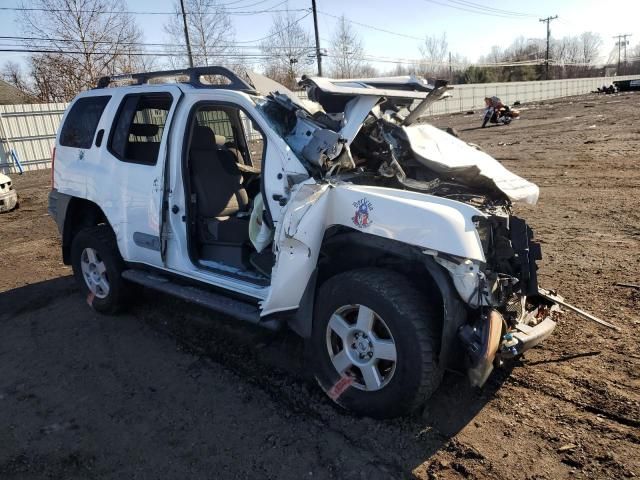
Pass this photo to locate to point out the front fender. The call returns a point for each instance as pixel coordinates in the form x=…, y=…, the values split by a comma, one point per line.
x=424, y=221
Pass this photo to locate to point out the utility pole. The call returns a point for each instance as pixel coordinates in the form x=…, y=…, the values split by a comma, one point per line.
x=619, y=43
x=315, y=26
x=450, y=70
x=546, y=57
x=186, y=33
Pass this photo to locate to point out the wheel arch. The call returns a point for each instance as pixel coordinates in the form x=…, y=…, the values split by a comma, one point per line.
x=80, y=213
x=345, y=249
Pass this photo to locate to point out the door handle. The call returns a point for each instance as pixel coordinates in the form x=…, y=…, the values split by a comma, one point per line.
x=175, y=209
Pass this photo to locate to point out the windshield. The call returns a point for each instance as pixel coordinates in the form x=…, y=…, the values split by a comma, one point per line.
x=293, y=123
x=279, y=117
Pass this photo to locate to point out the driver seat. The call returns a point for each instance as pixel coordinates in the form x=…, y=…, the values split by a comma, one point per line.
x=219, y=195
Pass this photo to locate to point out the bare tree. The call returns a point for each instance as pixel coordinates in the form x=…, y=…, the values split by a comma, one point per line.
x=591, y=44
x=211, y=34
x=434, y=52
x=89, y=39
x=287, y=49
x=346, y=51
x=14, y=74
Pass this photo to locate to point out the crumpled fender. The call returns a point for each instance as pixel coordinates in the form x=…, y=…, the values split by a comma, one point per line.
x=425, y=221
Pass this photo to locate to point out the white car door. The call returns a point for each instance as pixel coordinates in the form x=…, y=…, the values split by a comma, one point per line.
x=134, y=155
x=276, y=162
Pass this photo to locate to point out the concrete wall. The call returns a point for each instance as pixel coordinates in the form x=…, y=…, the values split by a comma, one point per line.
x=471, y=96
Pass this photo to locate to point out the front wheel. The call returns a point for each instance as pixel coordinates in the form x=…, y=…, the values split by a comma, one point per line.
x=374, y=343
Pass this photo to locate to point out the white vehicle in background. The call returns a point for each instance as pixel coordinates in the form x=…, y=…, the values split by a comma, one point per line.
x=385, y=242
x=8, y=195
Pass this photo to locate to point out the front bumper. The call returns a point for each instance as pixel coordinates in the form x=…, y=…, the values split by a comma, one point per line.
x=8, y=201
x=525, y=337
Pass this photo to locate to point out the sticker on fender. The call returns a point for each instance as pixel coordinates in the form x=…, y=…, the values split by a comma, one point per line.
x=339, y=387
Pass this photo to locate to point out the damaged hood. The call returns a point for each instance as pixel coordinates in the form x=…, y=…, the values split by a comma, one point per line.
x=448, y=155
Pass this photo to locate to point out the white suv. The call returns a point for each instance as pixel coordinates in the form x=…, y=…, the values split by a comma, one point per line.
x=385, y=242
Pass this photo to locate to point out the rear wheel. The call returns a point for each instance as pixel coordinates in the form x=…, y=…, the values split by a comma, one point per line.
x=374, y=343
x=97, y=266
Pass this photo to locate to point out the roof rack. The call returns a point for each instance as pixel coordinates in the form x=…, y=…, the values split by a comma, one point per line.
x=194, y=74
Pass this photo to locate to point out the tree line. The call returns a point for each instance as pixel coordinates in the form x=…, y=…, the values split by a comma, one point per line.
x=76, y=42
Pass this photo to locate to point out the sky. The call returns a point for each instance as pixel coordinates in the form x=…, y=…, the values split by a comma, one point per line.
x=470, y=34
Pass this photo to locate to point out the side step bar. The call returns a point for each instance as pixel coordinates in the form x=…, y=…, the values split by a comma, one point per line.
x=205, y=298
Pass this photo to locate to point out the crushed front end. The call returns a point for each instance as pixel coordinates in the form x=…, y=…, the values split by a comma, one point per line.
x=510, y=315
x=368, y=132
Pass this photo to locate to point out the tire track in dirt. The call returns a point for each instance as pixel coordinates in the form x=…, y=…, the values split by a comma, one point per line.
x=589, y=407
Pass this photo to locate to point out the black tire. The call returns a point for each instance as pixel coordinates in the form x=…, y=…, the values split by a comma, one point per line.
x=413, y=324
x=103, y=241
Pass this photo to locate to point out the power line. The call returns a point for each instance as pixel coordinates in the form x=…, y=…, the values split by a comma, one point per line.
x=365, y=25
x=279, y=31
x=491, y=9
x=106, y=42
x=139, y=12
x=132, y=53
x=475, y=10
x=258, y=57
x=236, y=44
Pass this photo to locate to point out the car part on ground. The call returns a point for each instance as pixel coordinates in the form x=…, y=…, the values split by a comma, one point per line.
x=8, y=195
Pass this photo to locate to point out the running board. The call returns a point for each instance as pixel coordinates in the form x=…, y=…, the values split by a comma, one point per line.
x=205, y=298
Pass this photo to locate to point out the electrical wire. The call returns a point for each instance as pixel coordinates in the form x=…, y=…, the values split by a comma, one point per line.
x=372, y=27
x=491, y=9
x=140, y=44
x=259, y=57
x=139, y=12
x=480, y=12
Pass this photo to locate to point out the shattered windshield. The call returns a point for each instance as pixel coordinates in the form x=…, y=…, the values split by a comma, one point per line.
x=293, y=123
x=279, y=117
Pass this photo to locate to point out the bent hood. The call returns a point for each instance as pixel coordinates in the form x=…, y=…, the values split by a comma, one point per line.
x=448, y=155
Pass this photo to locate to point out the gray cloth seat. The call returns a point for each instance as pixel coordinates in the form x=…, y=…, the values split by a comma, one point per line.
x=220, y=196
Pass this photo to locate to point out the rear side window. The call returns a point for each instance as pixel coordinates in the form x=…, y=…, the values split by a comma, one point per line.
x=138, y=127
x=81, y=122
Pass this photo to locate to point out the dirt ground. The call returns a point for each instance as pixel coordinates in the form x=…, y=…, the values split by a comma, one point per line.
x=172, y=391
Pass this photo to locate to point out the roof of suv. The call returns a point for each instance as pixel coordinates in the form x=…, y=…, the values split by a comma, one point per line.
x=219, y=77
x=216, y=77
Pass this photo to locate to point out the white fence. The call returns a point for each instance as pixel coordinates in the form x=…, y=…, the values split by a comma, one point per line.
x=27, y=132
x=27, y=135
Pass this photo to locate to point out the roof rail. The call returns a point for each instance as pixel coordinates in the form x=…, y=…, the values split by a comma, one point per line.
x=194, y=74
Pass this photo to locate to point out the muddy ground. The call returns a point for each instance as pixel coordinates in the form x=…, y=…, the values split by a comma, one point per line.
x=172, y=391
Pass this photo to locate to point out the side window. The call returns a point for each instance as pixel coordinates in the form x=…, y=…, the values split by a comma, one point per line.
x=80, y=125
x=218, y=121
x=254, y=140
x=137, y=129
x=234, y=131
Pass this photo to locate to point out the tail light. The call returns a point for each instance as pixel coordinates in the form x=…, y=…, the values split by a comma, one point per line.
x=53, y=163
